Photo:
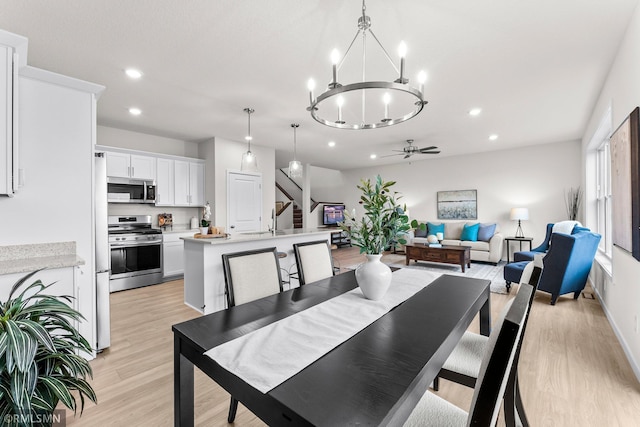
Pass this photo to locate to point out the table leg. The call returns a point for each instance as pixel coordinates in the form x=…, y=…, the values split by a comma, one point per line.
x=183, y=390
x=485, y=317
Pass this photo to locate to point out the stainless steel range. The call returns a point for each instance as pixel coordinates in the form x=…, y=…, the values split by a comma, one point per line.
x=136, y=252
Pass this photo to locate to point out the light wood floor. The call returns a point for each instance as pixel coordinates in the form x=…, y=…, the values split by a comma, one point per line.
x=573, y=371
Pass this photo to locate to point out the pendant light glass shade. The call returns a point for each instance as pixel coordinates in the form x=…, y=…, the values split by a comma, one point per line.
x=249, y=161
x=295, y=167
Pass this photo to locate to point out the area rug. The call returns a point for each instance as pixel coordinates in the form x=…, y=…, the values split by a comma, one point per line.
x=477, y=270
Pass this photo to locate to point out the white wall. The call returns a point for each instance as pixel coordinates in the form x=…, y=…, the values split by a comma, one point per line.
x=228, y=155
x=114, y=137
x=535, y=177
x=621, y=295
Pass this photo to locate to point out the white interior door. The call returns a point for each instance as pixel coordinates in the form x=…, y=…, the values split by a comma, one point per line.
x=244, y=201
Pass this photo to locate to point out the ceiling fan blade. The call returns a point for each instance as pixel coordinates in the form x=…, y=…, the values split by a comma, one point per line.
x=433, y=147
x=389, y=155
x=407, y=156
x=430, y=152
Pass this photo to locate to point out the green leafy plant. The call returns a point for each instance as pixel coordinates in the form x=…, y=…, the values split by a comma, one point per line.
x=384, y=222
x=39, y=364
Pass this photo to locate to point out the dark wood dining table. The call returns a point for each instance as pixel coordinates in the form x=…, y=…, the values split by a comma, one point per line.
x=375, y=378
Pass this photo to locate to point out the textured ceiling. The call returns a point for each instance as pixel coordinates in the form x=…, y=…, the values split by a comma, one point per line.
x=534, y=67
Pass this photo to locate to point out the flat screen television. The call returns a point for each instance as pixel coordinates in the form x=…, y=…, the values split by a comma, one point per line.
x=332, y=214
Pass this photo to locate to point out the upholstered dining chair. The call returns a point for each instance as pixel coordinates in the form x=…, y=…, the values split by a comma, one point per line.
x=463, y=364
x=493, y=374
x=248, y=276
x=313, y=261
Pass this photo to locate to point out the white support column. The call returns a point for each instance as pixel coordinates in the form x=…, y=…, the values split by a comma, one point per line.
x=306, y=196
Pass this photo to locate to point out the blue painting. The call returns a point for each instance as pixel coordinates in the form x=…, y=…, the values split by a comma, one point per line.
x=461, y=204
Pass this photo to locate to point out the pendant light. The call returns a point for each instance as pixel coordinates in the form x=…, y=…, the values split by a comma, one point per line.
x=249, y=161
x=295, y=167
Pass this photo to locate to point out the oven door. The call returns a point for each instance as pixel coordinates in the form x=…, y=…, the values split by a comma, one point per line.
x=134, y=259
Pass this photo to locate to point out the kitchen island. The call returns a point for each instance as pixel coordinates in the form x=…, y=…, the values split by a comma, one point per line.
x=203, y=273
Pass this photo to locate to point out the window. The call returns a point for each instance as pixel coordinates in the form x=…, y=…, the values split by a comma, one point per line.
x=603, y=197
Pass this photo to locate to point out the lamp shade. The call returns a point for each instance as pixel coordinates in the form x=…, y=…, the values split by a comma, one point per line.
x=519, y=214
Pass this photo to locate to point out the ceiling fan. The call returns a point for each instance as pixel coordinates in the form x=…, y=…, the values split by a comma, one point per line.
x=411, y=149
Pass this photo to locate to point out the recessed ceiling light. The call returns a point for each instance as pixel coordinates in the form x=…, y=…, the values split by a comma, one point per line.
x=493, y=137
x=331, y=144
x=133, y=73
x=373, y=156
x=475, y=111
x=135, y=111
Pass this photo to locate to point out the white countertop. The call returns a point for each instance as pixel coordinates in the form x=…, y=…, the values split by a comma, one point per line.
x=184, y=228
x=26, y=258
x=258, y=235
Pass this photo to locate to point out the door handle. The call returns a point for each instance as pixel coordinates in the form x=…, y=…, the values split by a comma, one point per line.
x=233, y=226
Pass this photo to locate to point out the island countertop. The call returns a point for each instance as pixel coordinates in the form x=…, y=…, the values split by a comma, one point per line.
x=258, y=235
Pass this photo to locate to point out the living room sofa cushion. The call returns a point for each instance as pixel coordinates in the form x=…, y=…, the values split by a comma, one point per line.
x=420, y=231
x=486, y=232
x=434, y=229
x=453, y=230
x=470, y=232
x=476, y=246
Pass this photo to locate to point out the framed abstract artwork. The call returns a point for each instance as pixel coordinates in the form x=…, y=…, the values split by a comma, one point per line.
x=460, y=204
x=625, y=185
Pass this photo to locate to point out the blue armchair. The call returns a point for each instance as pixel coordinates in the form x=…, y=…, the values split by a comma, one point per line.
x=544, y=247
x=567, y=263
x=529, y=255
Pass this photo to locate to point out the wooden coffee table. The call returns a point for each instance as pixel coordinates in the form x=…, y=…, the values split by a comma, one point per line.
x=446, y=254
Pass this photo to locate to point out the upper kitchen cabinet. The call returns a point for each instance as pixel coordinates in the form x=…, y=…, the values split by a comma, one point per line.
x=13, y=53
x=189, y=183
x=165, y=182
x=122, y=165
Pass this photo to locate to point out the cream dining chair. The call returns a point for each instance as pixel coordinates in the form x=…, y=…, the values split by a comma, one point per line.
x=493, y=375
x=248, y=276
x=313, y=261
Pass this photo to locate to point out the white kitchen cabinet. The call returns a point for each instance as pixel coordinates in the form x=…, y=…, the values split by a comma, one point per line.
x=173, y=253
x=189, y=183
x=165, y=182
x=9, y=111
x=123, y=165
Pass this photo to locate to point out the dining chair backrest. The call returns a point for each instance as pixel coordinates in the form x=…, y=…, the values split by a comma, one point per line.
x=498, y=360
x=313, y=260
x=251, y=275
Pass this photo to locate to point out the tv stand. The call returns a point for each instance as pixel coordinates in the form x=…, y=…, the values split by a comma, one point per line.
x=339, y=239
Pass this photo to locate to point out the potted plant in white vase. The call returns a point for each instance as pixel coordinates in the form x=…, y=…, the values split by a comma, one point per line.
x=384, y=223
x=206, y=217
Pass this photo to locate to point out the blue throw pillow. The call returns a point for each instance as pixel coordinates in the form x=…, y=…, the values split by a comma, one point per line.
x=421, y=231
x=470, y=232
x=434, y=229
x=486, y=232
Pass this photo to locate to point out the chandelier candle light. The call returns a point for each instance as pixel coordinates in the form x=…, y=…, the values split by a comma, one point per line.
x=519, y=214
x=295, y=167
x=412, y=97
x=249, y=161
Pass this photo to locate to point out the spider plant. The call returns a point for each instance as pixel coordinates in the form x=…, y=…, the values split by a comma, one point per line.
x=39, y=361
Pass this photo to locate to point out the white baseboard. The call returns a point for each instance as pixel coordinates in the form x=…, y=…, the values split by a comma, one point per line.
x=623, y=343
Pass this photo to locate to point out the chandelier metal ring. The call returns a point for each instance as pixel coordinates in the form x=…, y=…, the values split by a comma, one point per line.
x=419, y=104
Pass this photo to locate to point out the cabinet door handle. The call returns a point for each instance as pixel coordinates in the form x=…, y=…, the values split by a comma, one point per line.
x=133, y=171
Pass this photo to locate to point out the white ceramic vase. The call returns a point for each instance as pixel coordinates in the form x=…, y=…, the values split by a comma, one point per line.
x=373, y=277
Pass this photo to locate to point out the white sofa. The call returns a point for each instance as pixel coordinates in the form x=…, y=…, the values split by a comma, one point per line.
x=490, y=251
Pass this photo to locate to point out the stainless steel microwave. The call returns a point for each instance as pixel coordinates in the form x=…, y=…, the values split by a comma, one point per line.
x=125, y=190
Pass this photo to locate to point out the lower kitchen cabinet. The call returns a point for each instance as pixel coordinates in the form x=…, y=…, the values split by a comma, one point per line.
x=173, y=253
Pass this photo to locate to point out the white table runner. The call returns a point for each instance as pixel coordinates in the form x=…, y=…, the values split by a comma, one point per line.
x=269, y=356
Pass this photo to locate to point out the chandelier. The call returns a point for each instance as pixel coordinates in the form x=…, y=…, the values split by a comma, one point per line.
x=295, y=167
x=249, y=161
x=410, y=100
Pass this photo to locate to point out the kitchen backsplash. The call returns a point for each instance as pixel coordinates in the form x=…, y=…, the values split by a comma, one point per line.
x=181, y=216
